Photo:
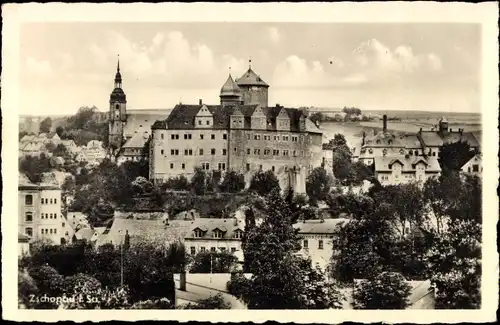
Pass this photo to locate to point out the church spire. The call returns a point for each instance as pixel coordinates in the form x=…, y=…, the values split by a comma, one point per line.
x=118, y=76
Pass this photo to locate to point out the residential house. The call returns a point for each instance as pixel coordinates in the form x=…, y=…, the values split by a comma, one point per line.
x=432, y=140
x=317, y=239
x=397, y=170
x=133, y=149
x=157, y=231
x=215, y=235
x=77, y=220
x=39, y=211
x=474, y=166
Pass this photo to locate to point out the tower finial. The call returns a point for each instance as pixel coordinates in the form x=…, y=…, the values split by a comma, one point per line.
x=250, y=63
x=118, y=65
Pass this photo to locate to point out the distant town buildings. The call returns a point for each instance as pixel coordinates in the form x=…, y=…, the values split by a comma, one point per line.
x=401, y=170
x=474, y=166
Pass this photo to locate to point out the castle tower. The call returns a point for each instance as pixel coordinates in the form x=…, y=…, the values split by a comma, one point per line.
x=117, y=110
x=230, y=93
x=254, y=89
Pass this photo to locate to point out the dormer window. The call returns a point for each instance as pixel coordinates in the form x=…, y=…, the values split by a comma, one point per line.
x=218, y=234
x=238, y=234
x=198, y=233
x=378, y=141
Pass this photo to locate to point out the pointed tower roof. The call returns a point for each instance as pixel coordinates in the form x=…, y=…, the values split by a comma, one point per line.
x=230, y=88
x=250, y=78
x=118, y=76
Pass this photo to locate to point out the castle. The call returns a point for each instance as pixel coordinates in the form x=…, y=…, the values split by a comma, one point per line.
x=241, y=133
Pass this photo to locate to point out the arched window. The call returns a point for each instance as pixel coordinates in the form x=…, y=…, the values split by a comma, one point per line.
x=29, y=216
x=28, y=199
x=117, y=106
x=29, y=231
x=410, y=153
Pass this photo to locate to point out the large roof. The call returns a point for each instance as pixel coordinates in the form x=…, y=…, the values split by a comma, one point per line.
x=250, y=78
x=208, y=225
x=136, y=141
x=325, y=226
x=183, y=117
x=384, y=164
x=437, y=139
x=151, y=231
x=384, y=139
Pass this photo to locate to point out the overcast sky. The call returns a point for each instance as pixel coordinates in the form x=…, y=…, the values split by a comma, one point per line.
x=431, y=67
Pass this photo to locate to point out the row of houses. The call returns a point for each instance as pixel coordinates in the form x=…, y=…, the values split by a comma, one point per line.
x=34, y=145
x=404, y=158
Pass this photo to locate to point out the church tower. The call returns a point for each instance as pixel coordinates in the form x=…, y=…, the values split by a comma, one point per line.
x=117, y=111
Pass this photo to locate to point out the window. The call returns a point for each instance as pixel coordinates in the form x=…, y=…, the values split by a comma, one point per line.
x=475, y=168
x=256, y=152
x=272, y=168
x=193, y=250
x=222, y=166
x=162, y=136
x=29, y=231
x=285, y=138
x=256, y=137
x=212, y=136
x=260, y=167
x=223, y=249
x=183, y=166
x=224, y=136
x=218, y=234
x=212, y=151
x=63, y=224
x=198, y=233
x=410, y=152
x=29, y=216
x=202, y=249
x=267, y=152
x=248, y=167
x=208, y=122
x=176, y=152
x=238, y=234
x=295, y=138
x=294, y=153
x=285, y=152
x=172, y=136
x=306, y=244
x=55, y=231
x=201, y=152
x=199, y=122
x=50, y=230
x=212, y=249
x=276, y=152
x=248, y=136
x=172, y=152
x=224, y=152
x=205, y=166
x=320, y=244
x=28, y=199
x=161, y=151
x=276, y=138
x=233, y=249
x=185, y=136
x=190, y=152
x=201, y=136
x=171, y=166
x=434, y=154
x=185, y=152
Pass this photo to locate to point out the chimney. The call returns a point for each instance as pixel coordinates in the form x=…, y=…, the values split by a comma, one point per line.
x=201, y=101
x=235, y=221
x=182, y=281
x=363, y=139
x=385, y=123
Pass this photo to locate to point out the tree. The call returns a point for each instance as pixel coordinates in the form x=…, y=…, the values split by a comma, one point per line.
x=317, y=117
x=452, y=156
x=46, y=125
x=213, y=262
x=199, y=181
x=264, y=183
x=339, y=140
x=233, y=182
x=69, y=184
x=26, y=289
x=60, y=131
x=387, y=290
x=179, y=183
x=141, y=186
x=60, y=150
x=341, y=162
x=34, y=167
x=145, y=149
x=279, y=278
x=454, y=265
x=318, y=185
x=50, y=147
